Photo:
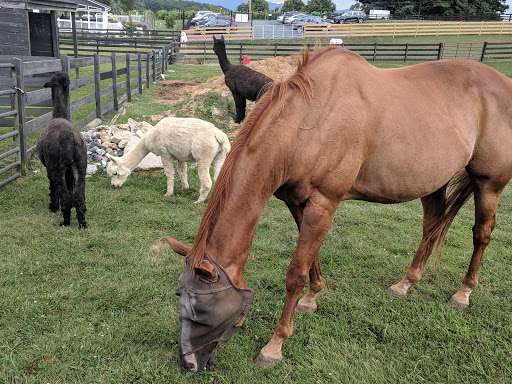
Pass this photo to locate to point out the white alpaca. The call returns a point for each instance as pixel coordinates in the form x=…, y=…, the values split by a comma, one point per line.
x=181, y=139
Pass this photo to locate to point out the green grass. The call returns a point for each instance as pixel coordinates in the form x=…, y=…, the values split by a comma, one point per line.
x=98, y=305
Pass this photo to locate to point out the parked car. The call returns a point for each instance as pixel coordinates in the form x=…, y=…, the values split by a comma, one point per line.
x=351, y=17
x=281, y=18
x=220, y=22
x=202, y=18
x=289, y=19
x=298, y=23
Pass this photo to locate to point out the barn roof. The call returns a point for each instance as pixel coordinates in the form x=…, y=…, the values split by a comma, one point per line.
x=45, y=5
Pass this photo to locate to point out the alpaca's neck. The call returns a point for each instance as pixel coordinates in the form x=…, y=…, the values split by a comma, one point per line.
x=60, y=102
x=223, y=60
x=132, y=158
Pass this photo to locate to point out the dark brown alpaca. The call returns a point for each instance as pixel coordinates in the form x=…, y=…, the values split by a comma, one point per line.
x=243, y=82
x=62, y=151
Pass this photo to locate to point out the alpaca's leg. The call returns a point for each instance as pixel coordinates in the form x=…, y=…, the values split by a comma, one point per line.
x=66, y=201
x=217, y=163
x=240, y=107
x=203, y=169
x=168, y=163
x=79, y=198
x=181, y=167
x=54, y=196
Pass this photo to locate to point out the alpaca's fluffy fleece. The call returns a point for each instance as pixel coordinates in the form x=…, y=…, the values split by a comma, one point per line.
x=63, y=152
x=181, y=139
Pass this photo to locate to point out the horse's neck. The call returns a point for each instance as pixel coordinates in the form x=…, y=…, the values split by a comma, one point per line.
x=223, y=60
x=133, y=157
x=232, y=232
x=60, y=103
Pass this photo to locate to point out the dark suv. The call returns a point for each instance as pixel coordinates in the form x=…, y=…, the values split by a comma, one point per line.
x=351, y=17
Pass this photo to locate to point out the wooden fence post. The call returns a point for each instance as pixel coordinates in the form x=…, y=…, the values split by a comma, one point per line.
x=148, y=57
x=406, y=51
x=75, y=42
x=154, y=65
x=20, y=84
x=483, y=51
x=139, y=67
x=66, y=67
x=128, y=81
x=440, y=51
x=97, y=85
x=114, y=80
x=241, y=56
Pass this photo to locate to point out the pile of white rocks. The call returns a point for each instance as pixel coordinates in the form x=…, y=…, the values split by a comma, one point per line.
x=116, y=139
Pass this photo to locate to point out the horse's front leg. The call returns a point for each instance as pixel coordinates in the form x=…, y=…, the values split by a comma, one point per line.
x=316, y=280
x=317, y=219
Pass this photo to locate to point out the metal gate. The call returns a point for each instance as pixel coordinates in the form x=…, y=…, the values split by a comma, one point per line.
x=10, y=152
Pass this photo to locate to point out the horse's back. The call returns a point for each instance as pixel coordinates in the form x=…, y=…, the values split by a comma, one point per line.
x=392, y=135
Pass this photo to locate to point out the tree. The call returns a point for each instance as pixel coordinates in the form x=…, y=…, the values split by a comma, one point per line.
x=256, y=6
x=116, y=7
x=320, y=6
x=356, y=6
x=140, y=6
x=293, y=5
x=437, y=7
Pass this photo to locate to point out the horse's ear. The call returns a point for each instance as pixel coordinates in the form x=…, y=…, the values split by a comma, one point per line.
x=178, y=247
x=222, y=37
x=207, y=271
x=214, y=39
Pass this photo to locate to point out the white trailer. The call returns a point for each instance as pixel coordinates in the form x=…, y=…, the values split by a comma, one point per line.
x=379, y=14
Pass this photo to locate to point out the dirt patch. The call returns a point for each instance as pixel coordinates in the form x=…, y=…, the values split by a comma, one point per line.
x=175, y=91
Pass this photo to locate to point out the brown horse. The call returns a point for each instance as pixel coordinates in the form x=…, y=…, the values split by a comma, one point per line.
x=337, y=129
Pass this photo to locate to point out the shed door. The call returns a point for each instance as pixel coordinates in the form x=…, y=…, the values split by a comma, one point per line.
x=41, y=39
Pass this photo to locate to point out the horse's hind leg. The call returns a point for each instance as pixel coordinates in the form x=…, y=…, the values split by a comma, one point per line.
x=432, y=208
x=486, y=202
x=316, y=279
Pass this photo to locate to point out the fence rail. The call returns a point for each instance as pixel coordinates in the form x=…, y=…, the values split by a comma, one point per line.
x=203, y=52
x=114, y=79
x=422, y=28
x=496, y=51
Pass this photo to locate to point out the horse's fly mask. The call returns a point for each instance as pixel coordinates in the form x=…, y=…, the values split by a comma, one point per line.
x=209, y=311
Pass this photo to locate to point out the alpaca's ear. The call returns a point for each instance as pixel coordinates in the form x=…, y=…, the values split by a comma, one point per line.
x=113, y=158
x=178, y=247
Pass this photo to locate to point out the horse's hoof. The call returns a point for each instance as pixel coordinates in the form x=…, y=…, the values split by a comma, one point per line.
x=394, y=292
x=457, y=304
x=262, y=361
x=302, y=308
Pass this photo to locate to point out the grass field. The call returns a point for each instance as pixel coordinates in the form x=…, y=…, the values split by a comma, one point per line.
x=98, y=305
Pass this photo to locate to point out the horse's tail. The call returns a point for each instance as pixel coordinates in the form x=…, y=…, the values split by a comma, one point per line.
x=459, y=191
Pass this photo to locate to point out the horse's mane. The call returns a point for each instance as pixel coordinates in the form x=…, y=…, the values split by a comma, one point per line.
x=274, y=98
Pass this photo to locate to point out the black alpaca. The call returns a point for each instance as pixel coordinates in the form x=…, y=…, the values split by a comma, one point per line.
x=62, y=151
x=243, y=82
